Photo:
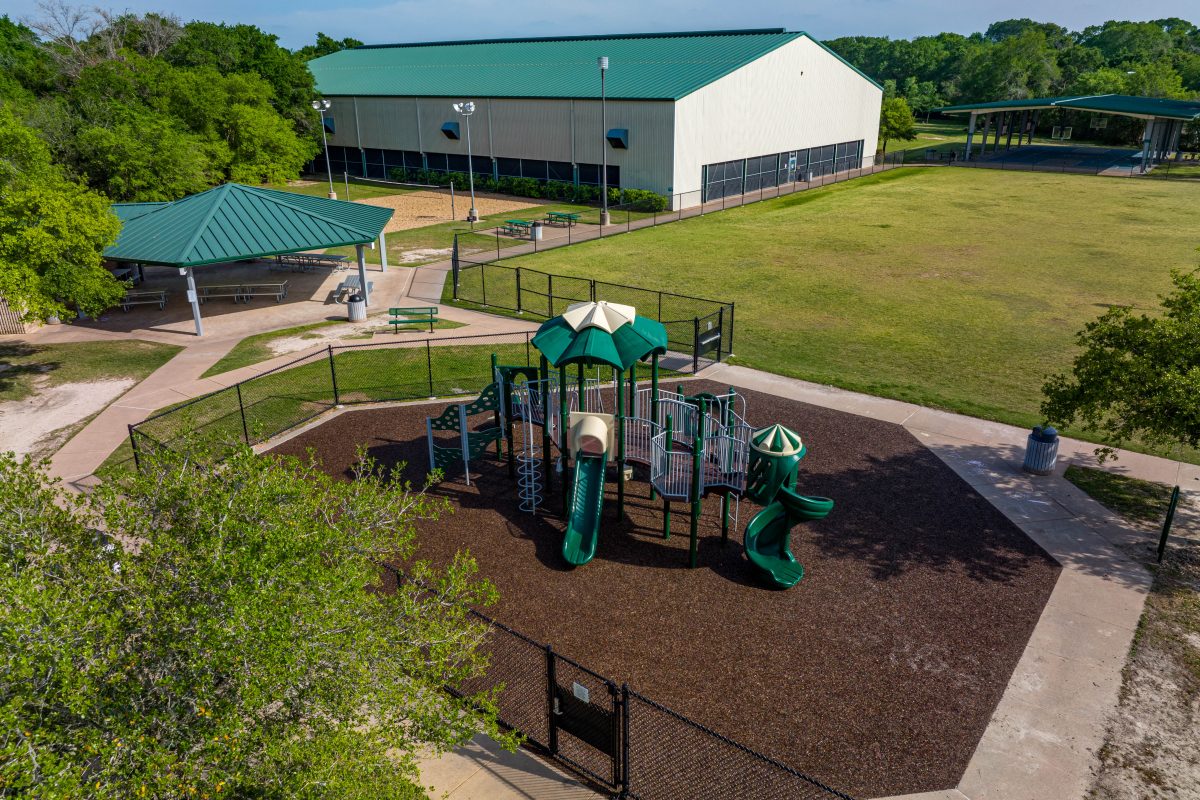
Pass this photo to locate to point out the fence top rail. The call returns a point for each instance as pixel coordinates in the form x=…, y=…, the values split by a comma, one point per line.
x=732, y=743
x=408, y=344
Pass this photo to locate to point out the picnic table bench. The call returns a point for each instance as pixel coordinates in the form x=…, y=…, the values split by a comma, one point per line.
x=422, y=315
x=305, y=262
x=350, y=285
x=561, y=218
x=517, y=227
x=156, y=297
x=243, y=292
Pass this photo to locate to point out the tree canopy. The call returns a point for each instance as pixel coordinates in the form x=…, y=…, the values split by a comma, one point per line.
x=227, y=632
x=1138, y=376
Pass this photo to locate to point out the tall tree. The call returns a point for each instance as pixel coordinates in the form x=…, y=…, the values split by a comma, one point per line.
x=1137, y=376
x=52, y=232
x=896, y=121
x=326, y=45
x=229, y=634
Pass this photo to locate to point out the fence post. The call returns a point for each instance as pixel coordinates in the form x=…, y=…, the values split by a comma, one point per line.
x=242, y=406
x=659, y=306
x=518, y=290
x=624, y=740
x=695, y=345
x=1166, y=530
x=497, y=244
x=429, y=367
x=732, y=308
x=137, y=459
x=483, y=283
x=337, y=401
x=549, y=296
x=454, y=267
x=720, y=327
x=551, y=685
x=592, y=289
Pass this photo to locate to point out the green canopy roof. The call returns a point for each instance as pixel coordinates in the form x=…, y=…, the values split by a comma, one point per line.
x=621, y=349
x=645, y=66
x=1121, y=104
x=777, y=440
x=234, y=222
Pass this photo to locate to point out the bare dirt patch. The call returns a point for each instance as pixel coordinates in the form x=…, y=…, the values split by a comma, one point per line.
x=41, y=423
x=418, y=209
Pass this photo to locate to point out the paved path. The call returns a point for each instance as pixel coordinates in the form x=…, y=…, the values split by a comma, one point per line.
x=1043, y=737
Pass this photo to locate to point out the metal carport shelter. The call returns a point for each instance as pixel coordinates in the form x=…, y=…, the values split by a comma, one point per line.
x=1164, y=118
x=234, y=223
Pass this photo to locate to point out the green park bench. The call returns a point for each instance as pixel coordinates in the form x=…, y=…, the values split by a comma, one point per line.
x=518, y=227
x=413, y=316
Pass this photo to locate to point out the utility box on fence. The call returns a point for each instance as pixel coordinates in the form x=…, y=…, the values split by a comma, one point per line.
x=1041, y=451
x=356, y=306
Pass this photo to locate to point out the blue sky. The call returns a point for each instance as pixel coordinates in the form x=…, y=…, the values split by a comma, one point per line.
x=373, y=21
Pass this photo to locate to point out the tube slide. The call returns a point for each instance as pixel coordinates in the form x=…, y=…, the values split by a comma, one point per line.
x=768, y=535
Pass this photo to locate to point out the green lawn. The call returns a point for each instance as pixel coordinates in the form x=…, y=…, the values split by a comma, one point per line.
x=26, y=366
x=257, y=348
x=1132, y=498
x=957, y=289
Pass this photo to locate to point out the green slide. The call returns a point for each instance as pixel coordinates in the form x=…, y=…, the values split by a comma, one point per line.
x=587, y=500
x=768, y=534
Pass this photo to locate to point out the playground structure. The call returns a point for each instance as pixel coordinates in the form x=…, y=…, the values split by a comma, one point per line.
x=692, y=446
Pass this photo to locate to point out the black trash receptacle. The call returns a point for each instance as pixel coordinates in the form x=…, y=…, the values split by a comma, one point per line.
x=356, y=306
x=1041, y=451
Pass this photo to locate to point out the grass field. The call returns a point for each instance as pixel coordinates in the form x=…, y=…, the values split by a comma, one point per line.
x=25, y=367
x=1132, y=498
x=958, y=289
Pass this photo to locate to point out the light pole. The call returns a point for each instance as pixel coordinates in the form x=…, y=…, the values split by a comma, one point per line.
x=467, y=109
x=602, y=62
x=321, y=106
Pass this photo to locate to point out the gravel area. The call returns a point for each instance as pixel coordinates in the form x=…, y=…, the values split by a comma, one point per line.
x=877, y=673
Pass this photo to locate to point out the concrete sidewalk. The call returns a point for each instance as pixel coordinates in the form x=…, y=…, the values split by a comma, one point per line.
x=482, y=770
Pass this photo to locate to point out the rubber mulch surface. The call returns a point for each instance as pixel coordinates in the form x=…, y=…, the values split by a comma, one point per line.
x=877, y=673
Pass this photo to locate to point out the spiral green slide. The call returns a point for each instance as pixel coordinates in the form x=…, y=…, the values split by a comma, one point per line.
x=768, y=535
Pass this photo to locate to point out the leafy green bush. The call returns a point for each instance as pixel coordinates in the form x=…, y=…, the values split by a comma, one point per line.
x=634, y=199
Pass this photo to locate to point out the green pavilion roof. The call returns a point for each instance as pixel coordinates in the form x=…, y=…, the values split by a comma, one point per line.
x=1121, y=104
x=563, y=345
x=234, y=222
x=644, y=66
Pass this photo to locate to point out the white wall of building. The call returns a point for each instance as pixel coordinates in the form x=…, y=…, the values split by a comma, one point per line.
x=795, y=97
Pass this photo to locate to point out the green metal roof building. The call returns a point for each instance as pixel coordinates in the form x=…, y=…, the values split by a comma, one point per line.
x=1164, y=118
x=710, y=112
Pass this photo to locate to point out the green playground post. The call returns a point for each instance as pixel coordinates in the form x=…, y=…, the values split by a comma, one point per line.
x=564, y=448
x=620, y=446
x=653, y=400
x=694, y=531
x=544, y=375
x=496, y=415
x=582, y=398
x=725, y=519
x=632, y=387
x=667, y=502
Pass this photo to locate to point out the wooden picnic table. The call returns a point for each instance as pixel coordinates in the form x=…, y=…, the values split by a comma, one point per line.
x=156, y=297
x=243, y=292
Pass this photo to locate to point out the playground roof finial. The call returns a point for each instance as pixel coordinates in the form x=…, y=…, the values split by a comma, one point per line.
x=777, y=440
x=600, y=314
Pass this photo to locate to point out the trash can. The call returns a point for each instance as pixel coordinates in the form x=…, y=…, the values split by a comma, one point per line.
x=1041, y=451
x=357, y=307
x=536, y=232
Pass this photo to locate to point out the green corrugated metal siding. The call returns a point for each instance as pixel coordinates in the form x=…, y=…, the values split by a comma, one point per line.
x=1105, y=103
x=643, y=67
x=233, y=222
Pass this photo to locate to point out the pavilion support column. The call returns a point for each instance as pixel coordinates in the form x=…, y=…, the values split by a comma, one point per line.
x=999, y=127
x=362, y=275
x=1012, y=120
x=193, y=298
x=1026, y=129
x=970, y=136
x=987, y=128
x=1176, y=132
x=1147, y=136
x=382, y=252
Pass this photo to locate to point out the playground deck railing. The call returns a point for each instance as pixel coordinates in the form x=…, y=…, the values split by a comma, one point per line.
x=621, y=740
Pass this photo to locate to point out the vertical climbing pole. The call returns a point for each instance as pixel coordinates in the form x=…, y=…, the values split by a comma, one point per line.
x=726, y=418
x=582, y=383
x=670, y=438
x=653, y=402
x=462, y=433
x=632, y=408
x=498, y=416
x=697, y=488
x=544, y=388
x=564, y=449
x=620, y=445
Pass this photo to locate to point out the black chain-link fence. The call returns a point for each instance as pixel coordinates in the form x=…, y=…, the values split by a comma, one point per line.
x=290, y=395
x=619, y=739
x=699, y=328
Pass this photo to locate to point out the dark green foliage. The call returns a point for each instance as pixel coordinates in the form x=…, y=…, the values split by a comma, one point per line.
x=326, y=45
x=1138, y=376
x=634, y=199
x=1023, y=58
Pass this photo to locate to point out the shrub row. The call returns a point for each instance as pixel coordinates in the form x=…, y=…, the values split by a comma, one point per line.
x=635, y=199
